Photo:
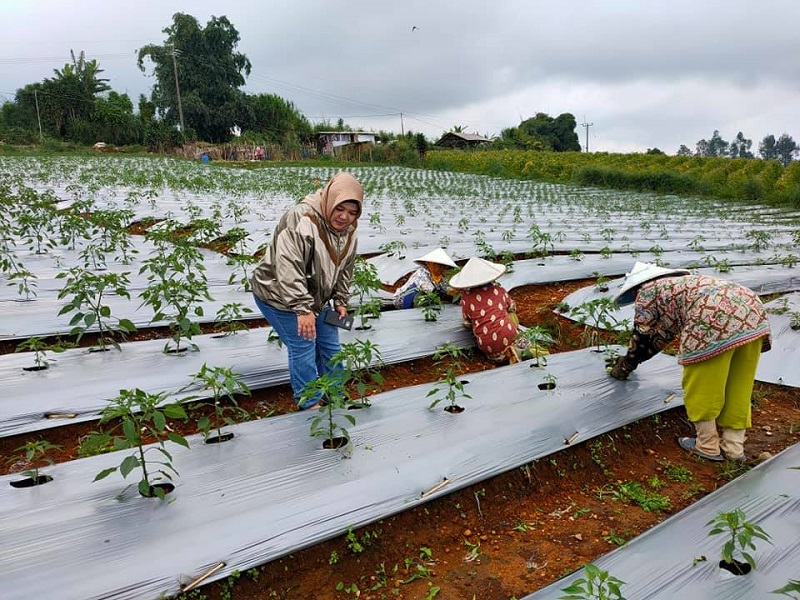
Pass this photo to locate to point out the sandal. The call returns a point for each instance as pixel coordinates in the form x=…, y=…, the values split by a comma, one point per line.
x=690, y=445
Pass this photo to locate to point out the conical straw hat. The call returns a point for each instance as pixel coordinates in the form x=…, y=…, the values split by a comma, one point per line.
x=475, y=273
x=642, y=273
x=438, y=256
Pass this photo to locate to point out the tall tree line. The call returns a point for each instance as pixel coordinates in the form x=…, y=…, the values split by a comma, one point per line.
x=784, y=149
x=77, y=104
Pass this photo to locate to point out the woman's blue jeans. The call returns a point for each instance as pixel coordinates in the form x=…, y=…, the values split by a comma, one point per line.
x=308, y=359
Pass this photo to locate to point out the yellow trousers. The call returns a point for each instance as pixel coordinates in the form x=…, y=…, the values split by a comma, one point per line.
x=719, y=389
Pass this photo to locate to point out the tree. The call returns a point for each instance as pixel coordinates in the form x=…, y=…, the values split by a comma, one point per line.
x=422, y=145
x=786, y=148
x=716, y=146
x=654, y=151
x=278, y=119
x=210, y=73
x=684, y=151
x=543, y=132
x=766, y=149
x=114, y=120
x=740, y=147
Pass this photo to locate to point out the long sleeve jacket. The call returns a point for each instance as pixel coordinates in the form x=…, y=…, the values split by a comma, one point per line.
x=307, y=263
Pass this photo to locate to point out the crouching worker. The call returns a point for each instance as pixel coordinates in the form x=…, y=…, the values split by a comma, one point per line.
x=722, y=329
x=429, y=277
x=487, y=308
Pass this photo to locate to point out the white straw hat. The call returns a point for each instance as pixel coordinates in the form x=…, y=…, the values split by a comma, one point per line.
x=438, y=256
x=475, y=273
x=642, y=273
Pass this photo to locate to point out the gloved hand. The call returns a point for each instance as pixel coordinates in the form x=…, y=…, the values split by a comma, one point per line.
x=618, y=368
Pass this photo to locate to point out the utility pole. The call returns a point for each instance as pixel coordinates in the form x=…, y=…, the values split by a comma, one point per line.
x=178, y=91
x=586, y=126
x=402, y=132
x=38, y=118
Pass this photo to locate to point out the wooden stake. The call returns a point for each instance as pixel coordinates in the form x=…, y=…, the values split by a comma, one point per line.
x=436, y=488
x=202, y=577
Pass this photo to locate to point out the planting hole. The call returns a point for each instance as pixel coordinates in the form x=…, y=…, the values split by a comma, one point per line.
x=547, y=385
x=454, y=409
x=218, y=439
x=335, y=443
x=363, y=327
x=35, y=368
x=176, y=351
x=98, y=349
x=464, y=381
x=30, y=481
x=164, y=487
x=736, y=567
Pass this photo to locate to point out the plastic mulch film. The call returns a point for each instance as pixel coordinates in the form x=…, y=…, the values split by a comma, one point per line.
x=678, y=558
x=273, y=489
x=779, y=365
x=79, y=383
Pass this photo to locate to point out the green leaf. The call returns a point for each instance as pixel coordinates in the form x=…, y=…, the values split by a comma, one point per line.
x=175, y=411
x=128, y=464
x=144, y=488
x=105, y=311
x=104, y=473
x=178, y=439
x=127, y=325
x=159, y=420
x=129, y=429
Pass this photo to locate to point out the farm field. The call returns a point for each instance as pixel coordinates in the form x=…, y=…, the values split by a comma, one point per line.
x=498, y=535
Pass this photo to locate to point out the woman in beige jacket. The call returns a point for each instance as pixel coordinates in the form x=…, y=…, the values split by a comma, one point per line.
x=306, y=268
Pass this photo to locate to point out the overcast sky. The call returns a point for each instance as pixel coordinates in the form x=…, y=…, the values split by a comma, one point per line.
x=643, y=73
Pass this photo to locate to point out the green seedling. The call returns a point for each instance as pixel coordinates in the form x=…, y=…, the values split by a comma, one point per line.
x=595, y=585
x=360, y=361
x=229, y=318
x=87, y=291
x=139, y=415
x=448, y=359
x=177, y=288
x=326, y=423
x=35, y=451
x=740, y=533
x=40, y=348
x=430, y=303
x=224, y=385
x=539, y=339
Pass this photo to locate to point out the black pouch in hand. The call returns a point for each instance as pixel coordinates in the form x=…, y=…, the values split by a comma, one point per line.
x=332, y=318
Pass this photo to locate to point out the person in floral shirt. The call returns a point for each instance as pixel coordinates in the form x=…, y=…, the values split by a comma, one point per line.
x=722, y=328
x=487, y=308
x=429, y=277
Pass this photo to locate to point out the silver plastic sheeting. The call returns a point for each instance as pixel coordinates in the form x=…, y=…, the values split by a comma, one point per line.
x=273, y=489
x=87, y=380
x=779, y=365
x=560, y=267
x=40, y=317
x=659, y=564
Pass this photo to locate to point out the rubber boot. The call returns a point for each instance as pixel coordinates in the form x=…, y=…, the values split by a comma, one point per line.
x=707, y=437
x=732, y=444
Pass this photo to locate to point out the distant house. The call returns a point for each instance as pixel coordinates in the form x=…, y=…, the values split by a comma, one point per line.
x=328, y=141
x=451, y=139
